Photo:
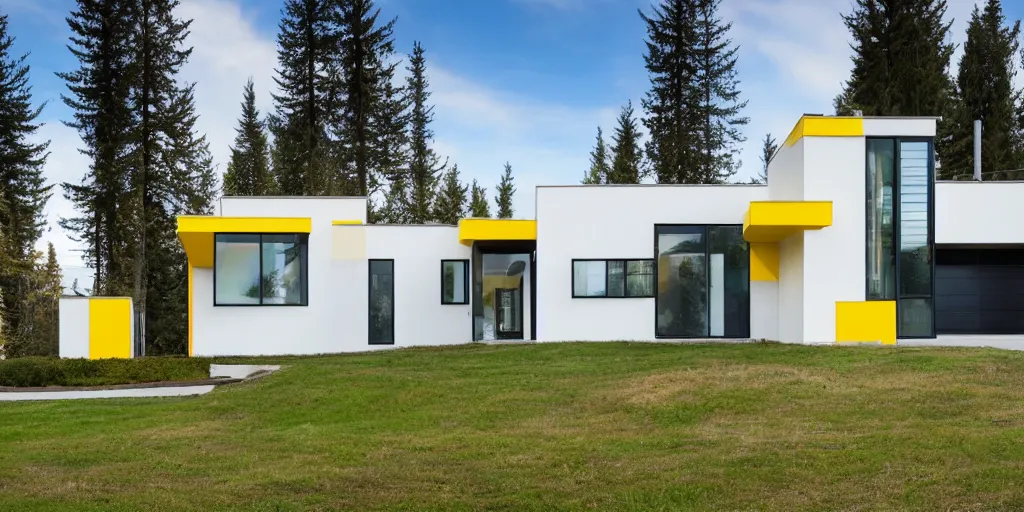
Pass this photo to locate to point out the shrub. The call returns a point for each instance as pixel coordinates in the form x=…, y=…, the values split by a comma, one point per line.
x=51, y=371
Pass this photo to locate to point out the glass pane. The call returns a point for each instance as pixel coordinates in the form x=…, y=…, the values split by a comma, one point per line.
x=915, y=317
x=453, y=282
x=502, y=291
x=640, y=278
x=729, y=282
x=283, y=277
x=382, y=302
x=237, y=272
x=915, y=254
x=588, y=278
x=616, y=278
x=682, y=282
x=881, y=263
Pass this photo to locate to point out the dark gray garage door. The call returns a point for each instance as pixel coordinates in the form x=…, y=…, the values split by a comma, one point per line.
x=979, y=291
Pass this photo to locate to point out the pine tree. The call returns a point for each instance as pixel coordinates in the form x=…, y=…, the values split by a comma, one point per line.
x=599, y=168
x=307, y=98
x=450, y=203
x=478, y=205
x=768, y=150
x=424, y=165
x=248, y=172
x=38, y=332
x=985, y=91
x=396, y=203
x=23, y=189
x=627, y=155
x=393, y=151
x=506, y=191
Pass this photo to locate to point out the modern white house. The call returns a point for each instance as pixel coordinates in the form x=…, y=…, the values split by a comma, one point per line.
x=850, y=240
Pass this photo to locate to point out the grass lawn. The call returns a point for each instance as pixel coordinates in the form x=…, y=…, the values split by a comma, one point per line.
x=609, y=426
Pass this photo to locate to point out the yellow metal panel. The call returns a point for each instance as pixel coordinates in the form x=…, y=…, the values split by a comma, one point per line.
x=348, y=222
x=771, y=221
x=764, y=261
x=196, y=232
x=110, y=327
x=190, y=319
x=472, y=230
x=870, y=321
x=826, y=126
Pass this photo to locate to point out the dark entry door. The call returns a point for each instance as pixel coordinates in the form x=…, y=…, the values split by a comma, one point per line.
x=508, y=313
x=979, y=291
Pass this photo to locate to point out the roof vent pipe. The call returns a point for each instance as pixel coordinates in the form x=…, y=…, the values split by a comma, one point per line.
x=977, y=150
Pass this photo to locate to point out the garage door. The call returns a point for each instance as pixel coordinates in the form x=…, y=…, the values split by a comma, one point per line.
x=979, y=291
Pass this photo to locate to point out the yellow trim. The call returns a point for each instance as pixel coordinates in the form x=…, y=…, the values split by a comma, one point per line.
x=771, y=221
x=826, y=126
x=190, y=319
x=472, y=230
x=196, y=232
x=764, y=261
x=110, y=327
x=348, y=222
x=870, y=321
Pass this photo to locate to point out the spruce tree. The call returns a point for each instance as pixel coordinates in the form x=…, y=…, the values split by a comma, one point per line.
x=768, y=149
x=424, y=165
x=248, y=172
x=985, y=91
x=478, y=205
x=599, y=168
x=396, y=203
x=627, y=156
x=505, y=192
x=308, y=95
x=23, y=189
x=450, y=202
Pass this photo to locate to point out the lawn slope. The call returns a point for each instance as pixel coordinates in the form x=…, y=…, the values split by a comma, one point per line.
x=571, y=426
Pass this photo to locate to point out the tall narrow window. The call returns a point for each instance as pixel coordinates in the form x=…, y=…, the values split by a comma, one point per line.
x=382, y=302
x=915, y=259
x=682, y=301
x=881, y=261
x=728, y=282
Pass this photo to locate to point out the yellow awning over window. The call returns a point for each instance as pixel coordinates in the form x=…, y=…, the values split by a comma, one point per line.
x=771, y=221
x=474, y=230
x=196, y=232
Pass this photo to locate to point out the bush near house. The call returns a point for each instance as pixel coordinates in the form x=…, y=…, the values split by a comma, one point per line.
x=51, y=371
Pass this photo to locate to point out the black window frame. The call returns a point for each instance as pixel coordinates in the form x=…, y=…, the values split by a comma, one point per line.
x=369, y=301
x=625, y=288
x=303, y=270
x=897, y=221
x=465, y=283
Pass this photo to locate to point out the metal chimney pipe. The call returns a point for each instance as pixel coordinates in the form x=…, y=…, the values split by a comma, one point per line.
x=977, y=150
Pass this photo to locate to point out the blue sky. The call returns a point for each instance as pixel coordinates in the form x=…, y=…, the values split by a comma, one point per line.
x=527, y=81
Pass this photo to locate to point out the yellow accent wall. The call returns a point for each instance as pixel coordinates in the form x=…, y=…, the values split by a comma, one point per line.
x=472, y=230
x=869, y=321
x=826, y=126
x=110, y=327
x=771, y=221
x=348, y=222
x=764, y=261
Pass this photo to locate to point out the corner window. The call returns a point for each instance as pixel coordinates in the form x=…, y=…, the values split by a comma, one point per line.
x=260, y=270
x=454, y=281
x=612, y=278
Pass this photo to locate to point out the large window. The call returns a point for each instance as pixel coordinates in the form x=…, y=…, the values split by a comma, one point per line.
x=703, y=282
x=255, y=270
x=382, y=302
x=612, y=278
x=454, y=281
x=900, y=230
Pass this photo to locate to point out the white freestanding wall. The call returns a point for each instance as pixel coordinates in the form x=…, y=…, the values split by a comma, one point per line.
x=73, y=333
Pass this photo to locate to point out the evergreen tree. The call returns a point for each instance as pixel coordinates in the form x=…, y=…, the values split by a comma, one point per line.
x=768, y=149
x=985, y=91
x=396, y=203
x=627, y=155
x=37, y=334
x=599, y=168
x=450, y=203
x=393, y=149
x=23, y=189
x=506, y=190
x=478, y=205
x=900, y=60
x=248, y=172
x=305, y=104
x=424, y=164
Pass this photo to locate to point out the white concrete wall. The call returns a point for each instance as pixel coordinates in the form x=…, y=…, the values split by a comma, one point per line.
x=764, y=317
x=791, y=289
x=834, y=258
x=899, y=127
x=968, y=212
x=73, y=327
x=786, y=173
x=617, y=222
x=323, y=326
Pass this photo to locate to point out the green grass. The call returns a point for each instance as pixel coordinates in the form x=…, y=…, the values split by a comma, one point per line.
x=50, y=371
x=546, y=427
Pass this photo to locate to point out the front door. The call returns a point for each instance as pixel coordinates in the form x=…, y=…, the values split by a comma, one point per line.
x=508, y=305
